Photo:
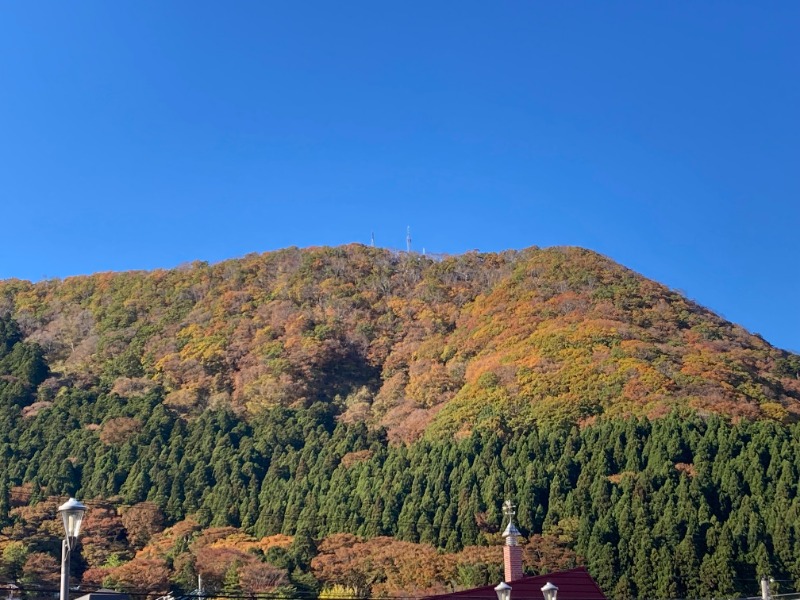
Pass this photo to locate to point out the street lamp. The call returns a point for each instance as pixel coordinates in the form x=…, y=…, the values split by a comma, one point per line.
x=71, y=513
x=550, y=591
x=503, y=591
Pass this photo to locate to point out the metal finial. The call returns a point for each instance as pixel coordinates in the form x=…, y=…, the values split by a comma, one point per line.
x=511, y=533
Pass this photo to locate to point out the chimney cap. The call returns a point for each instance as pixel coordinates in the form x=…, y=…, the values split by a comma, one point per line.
x=511, y=530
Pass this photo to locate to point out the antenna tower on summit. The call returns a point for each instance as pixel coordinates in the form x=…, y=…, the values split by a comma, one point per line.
x=408, y=238
x=372, y=243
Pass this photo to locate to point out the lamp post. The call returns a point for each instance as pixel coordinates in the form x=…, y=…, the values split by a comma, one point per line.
x=503, y=591
x=550, y=591
x=71, y=513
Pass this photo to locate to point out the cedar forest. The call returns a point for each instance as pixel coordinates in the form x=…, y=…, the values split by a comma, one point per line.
x=346, y=422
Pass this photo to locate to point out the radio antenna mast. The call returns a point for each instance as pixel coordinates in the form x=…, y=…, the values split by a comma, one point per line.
x=408, y=239
x=373, y=240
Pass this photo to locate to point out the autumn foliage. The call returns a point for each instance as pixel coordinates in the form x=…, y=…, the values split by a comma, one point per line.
x=401, y=340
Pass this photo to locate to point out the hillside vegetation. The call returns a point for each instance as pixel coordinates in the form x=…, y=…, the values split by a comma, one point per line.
x=403, y=341
x=347, y=421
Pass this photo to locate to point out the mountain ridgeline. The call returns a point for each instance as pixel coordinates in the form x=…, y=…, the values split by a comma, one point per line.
x=313, y=418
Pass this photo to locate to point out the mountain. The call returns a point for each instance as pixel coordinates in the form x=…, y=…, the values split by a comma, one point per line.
x=346, y=422
x=403, y=341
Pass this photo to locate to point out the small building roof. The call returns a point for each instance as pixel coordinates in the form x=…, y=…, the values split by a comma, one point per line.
x=104, y=594
x=574, y=584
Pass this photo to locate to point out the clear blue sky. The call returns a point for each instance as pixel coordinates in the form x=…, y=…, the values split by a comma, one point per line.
x=136, y=135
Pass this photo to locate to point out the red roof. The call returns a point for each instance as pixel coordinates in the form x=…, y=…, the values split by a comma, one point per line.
x=575, y=584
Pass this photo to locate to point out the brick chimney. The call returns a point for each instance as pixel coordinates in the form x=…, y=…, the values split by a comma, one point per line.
x=512, y=552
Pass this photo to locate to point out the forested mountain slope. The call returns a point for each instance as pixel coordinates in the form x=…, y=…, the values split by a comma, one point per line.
x=282, y=423
x=404, y=341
